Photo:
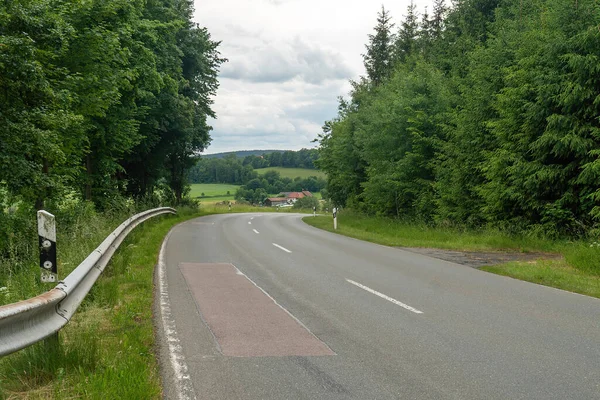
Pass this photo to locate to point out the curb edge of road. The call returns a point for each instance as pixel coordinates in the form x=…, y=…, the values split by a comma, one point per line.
x=173, y=371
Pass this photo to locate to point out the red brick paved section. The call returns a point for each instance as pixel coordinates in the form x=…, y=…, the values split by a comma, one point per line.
x=245, y=321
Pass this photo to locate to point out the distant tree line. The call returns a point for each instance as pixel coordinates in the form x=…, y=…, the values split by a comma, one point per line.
x=304, y=158
x=237, y=171
x=483, y=113
x=101, y=98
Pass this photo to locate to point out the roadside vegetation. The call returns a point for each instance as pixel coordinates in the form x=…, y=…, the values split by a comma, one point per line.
x=483, y=114
x=102, y=98
x=578, y=270
x=107, y=349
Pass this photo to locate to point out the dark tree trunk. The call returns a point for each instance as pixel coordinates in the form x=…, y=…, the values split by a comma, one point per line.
x=88, y=180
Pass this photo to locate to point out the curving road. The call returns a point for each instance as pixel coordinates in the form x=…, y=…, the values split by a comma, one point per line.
x=263, y=306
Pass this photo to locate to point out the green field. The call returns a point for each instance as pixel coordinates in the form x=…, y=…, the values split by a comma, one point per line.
x=213, y=192
x=293, y=172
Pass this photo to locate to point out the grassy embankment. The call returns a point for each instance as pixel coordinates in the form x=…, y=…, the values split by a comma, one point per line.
x=577, y=271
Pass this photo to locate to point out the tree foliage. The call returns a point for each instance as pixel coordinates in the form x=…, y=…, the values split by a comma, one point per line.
x=488, y=116
x=378, y=58
x=102, y=97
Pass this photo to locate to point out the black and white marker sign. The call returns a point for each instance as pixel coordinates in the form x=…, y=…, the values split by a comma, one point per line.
x=47, y=240
x=335, y=217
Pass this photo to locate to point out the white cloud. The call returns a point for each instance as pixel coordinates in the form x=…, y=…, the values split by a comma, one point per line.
x=289, y=61
x=281, y=61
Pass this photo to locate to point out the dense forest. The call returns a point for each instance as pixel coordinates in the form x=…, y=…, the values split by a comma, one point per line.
x=237, y=171
x=485, y=112
x=101, y=98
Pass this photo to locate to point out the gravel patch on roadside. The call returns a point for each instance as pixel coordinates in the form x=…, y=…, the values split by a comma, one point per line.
x=477, y=259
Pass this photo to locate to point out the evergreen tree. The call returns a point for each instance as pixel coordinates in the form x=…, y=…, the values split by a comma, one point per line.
x=406, y=40
x=437, y=20
x=378, y=58
x=425, y=36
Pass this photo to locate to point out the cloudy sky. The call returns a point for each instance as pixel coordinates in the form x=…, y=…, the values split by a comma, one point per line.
x=289, y=60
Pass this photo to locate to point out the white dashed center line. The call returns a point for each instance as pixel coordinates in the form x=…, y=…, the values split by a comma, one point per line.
x=281, y=247
x=255, y=231
x=383, y=296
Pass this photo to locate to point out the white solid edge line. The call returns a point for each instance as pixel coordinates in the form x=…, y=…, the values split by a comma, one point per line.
x=383, y=296
x=255, y=231
x=182, y=380
x=281, y=247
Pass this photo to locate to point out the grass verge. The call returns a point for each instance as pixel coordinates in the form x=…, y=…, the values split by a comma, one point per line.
x=394, y=233
x=553, y=273
x=106, y=351
x=578, y=271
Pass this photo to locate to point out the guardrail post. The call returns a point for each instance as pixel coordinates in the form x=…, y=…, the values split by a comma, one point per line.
x=47, y=241
x=48, y=265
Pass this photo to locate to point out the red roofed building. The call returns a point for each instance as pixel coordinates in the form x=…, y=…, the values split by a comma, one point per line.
x=295, y=195
x=290, y=198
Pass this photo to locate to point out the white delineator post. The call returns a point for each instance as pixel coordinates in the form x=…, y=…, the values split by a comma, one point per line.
x=47, y=241
x=334, y=217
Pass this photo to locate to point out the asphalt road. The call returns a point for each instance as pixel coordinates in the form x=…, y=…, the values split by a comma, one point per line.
x=263, y=306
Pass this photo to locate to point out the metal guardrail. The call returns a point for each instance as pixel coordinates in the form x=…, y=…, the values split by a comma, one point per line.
x=29, y=321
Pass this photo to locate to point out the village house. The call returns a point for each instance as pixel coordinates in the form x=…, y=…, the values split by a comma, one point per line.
x=287, y=198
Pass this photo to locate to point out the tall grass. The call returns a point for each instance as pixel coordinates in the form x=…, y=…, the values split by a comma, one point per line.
x=392, y=232
x=80, y=229
x=583, y=256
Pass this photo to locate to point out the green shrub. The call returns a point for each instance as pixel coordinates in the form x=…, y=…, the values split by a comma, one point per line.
x=307, y=203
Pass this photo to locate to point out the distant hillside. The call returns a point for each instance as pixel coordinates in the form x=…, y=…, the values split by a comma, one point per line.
x=242, y=153
x=292, y=173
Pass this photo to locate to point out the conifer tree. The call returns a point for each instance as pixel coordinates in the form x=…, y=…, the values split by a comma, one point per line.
x=378, y=58
x=406, y=41
x=437, y=20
